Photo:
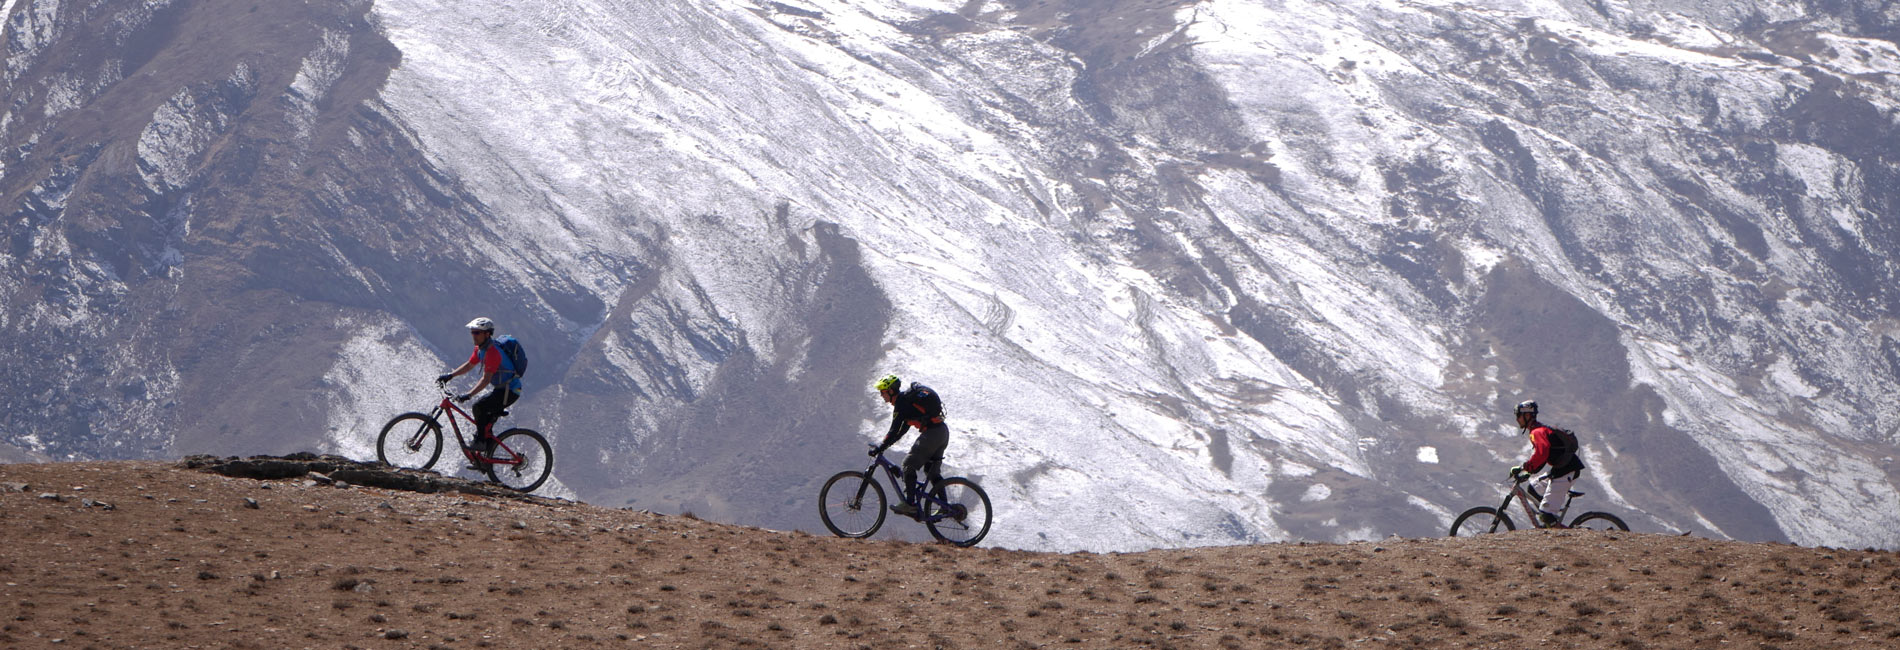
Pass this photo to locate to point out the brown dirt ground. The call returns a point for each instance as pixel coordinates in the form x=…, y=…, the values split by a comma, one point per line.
x=154, y=555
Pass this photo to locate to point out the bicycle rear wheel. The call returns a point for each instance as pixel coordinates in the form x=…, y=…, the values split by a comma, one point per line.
x=966, y=517
x=1480, y=521
x=522, y=461
x=1598, y=521
x=852, y=504
x=410, y=441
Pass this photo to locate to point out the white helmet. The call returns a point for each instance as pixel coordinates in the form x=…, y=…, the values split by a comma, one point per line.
x=483, y=324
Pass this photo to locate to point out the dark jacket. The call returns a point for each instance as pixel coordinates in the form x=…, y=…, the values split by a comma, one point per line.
x=916, y=406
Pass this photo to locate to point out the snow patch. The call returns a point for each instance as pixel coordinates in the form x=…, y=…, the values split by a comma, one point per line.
x=382, y=371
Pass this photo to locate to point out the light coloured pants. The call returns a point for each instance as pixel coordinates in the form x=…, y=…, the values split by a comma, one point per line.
x=1557, y=492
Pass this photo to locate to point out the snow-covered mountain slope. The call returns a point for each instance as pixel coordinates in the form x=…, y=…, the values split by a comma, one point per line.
x=1185, y=272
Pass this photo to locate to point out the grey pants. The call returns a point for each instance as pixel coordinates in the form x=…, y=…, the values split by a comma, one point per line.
x=927, y=453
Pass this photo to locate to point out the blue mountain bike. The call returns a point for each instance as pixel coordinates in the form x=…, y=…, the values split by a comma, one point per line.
x=852, y=504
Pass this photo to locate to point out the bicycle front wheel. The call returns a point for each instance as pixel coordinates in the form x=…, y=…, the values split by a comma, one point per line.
x=522, y=461
x=964, y=516
x=1480, y=521
x=410, y=441
x=852, y=504
x=1598, y=521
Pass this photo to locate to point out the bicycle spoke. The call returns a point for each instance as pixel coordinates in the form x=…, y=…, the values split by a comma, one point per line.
x=962, y=514
x=851, y=504
x=1480, y=521
x=410, y=440
x=522, y=460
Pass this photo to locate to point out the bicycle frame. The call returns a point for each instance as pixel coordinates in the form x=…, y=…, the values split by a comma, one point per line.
x=1524, y=495
x=893, y=471
x=447, y=410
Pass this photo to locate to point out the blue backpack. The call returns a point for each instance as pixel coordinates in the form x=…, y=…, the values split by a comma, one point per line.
x=514, y=359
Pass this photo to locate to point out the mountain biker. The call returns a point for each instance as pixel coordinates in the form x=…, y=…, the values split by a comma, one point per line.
x=1558, y=450
x=505, y=384
x=919, y=407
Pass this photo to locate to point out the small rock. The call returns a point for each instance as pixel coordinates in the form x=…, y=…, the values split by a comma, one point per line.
x=51, y=496
x=14, y=487
x=250, y=503
x=520, y=525
x=319, y=478
x=395, y=634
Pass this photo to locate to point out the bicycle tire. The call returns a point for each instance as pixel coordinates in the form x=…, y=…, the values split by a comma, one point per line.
x=537, y=460
x=858, y=499
x=969, y=529
x=1603, y=521
x=1479, y=521
x=395, y=451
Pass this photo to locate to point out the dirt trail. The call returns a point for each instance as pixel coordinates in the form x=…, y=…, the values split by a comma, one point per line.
x=156, y=555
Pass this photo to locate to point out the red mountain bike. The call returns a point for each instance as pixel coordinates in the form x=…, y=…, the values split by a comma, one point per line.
x=521, y=459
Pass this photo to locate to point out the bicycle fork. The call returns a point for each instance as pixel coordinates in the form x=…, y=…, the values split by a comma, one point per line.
x=422, y=430
x=870, y=475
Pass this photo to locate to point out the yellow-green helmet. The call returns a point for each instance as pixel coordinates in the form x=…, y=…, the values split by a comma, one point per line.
x=888, y=382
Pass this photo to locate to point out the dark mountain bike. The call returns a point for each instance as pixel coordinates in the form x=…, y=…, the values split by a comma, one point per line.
x=1485, y=519
x=852, y=505
x=520, y=459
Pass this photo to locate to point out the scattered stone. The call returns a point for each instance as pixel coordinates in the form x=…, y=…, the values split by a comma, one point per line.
x=393, y=634
x=520, y=525
x=51, y=496
x=14, y=487
x=319, y=478
x=250, y=503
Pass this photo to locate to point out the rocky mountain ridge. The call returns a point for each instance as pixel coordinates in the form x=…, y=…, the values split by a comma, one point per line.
x=1187, y=272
